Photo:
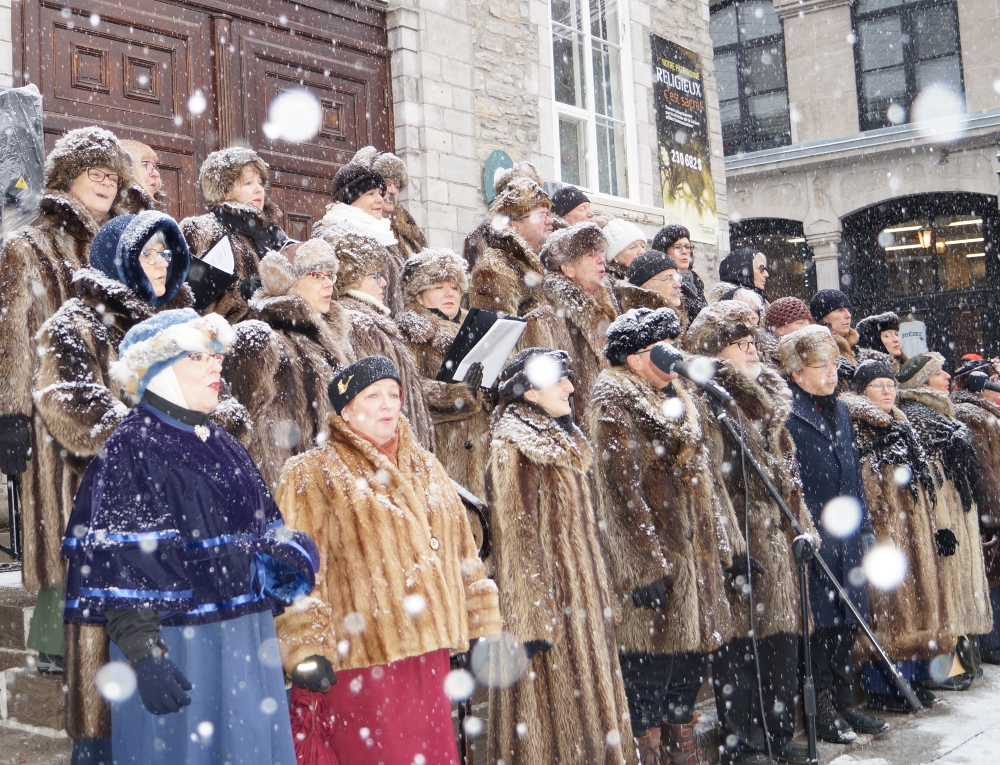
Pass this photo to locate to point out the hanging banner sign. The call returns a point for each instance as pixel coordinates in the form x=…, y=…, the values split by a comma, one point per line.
x=682, y=133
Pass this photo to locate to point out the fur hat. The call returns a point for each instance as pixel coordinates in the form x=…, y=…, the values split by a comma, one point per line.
x=279, y=271
x=531, y=369
x=221, y=169
x=870, y=330
x=354, y=378
x=359, y=256
x=570, y=244
x=917, y=371
x=719, y=325
x=648, y=265
x=83, y=148
x=669, y=234
x=868, y=371
x=519, y=197
x=805, y=347
x=430, y=267
x=153, y=345
x=639, y=328
x=354, y=181
x=385, y=163
x=520, y=170
x=566, y=199
x=620, y=234
x=827, y=301
x=784, y=311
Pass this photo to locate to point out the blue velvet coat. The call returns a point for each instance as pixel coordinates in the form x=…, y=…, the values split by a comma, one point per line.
x=829, y=467
x=166, y=521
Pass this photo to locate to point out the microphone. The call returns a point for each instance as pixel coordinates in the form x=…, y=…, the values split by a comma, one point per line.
x=670, y=361
x=979, y=381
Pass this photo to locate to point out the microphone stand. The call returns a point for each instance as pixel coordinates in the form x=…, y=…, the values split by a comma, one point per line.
x=805, y=551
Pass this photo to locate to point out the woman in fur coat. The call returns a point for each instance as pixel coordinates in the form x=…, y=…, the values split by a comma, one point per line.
x=770, y=610
x=360, y=292
x=555, y=596
x=878, y=339
x=401, y=583
x=293, y=342
x=146, y=190
x=434, y=284
x=234, y=182
x=578, y=307
x=952, y=460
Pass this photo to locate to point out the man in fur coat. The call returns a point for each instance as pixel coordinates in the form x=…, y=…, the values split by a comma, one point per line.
x=578, y=307
x=764, y=592
x=476, y=242
x=829, y=467
x=668, y=535
x=832, y=309
x=507, y=276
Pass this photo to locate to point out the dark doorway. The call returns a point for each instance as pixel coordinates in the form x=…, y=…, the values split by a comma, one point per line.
x=931, y=258
x=792, y=272
x=135, y=67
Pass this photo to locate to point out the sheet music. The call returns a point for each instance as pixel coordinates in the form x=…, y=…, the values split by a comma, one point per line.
x=492, y=350
x=221, y=256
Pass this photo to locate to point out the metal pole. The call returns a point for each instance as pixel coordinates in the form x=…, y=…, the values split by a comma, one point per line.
x=14, y=515
x=804, y=550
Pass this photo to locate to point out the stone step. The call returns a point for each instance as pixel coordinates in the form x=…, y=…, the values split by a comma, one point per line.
x=30, y=699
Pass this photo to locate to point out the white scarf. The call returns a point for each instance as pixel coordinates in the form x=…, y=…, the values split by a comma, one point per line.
x=358, y=220
x=166, y=386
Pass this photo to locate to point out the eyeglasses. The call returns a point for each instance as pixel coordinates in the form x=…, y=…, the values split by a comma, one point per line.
x=149, y=256
x=882, y=387
x=744, y=345
x=320, y=275
x=682, y=247
x=149, y=166
x=536, y=217
x=378, y=276
x=828, y=366
x=200, y=357
x=98, y=176
x=762, y=269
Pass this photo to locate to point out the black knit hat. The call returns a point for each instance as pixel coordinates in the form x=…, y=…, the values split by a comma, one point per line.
x=648, y=265
x=517, y=377
x=827, y=301
x=868, y=371
x=354, y=181
x=639, y=328
x=870, y=330
x=355, y=378
x=669, y=234
x=566, y=199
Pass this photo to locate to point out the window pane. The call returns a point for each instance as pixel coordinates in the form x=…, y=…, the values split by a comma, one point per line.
x=726, y=79
x=881, y=42
x=611, y=157
x=758, y=19
x=604, y=20
x=572, y=151
x=723, y=27
x=880, y=87
x=567, y=70
x=770, y=117
x=568, y=12
x=607, y=81
x=935, y=32
x=940, y=71
x=866, y=6
x=764, y=69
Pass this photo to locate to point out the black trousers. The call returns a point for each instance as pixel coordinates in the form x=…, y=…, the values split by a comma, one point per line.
x=737, y=700
x=662, y=687
x=833, y=662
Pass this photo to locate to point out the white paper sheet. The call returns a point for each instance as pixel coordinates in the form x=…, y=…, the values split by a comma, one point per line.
x=221, y=256
x=492, y=350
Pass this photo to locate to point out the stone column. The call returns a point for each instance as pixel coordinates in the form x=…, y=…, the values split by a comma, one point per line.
x=826, y=254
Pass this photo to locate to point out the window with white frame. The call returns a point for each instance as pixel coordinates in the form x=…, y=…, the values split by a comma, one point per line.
x=587, y=50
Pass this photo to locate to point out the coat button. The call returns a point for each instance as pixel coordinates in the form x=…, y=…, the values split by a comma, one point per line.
x=435, y=544
x=468, y=444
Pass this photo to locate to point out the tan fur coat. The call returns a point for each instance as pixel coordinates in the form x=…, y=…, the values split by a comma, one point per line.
x=507, y=275
x=409, y=241
x=554, y=587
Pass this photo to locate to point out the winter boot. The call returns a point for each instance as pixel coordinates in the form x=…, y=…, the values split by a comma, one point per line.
x=680, y=743
x=650, y=749
x=863, y=722
x=830, y=726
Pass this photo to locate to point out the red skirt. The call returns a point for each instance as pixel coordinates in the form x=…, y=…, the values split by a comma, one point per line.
x=390, y=714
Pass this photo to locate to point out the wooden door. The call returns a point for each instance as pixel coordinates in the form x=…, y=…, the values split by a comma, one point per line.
x=137, y=68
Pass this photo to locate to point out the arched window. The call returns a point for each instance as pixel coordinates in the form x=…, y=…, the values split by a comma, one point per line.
x=749, y=49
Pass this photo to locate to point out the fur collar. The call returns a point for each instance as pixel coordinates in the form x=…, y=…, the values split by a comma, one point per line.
x=405, y=228
x=846, y=345
x=615, y=270
x=870, y=354
x=269, y=216
x=932, y=398
x=290, y=313
x=116, y=302
x=513, y=244
x=863, y=409
x=367, y=301
x=591, y=313
x=73, y=214
x=341, y=432
x=357, y=220
x=138, y=199
x=423, y=328
x=767, y=399
x=542, y=440
x=973, y=399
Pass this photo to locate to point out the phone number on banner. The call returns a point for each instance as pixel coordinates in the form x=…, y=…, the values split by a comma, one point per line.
x=686, y=160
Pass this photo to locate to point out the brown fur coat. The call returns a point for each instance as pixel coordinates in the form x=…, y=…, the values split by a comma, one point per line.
x=911, y=621
x=507, y=276
x=571, y=320
x=966, y=591
x=375, y=333
x=983, y=420
x=659, y=515
x=388, y=534
x=554, y=586
x=409, y=241
x=628, y=296
x=461, y=418
x=765, y=405
x=203, y=232
x=279, y=366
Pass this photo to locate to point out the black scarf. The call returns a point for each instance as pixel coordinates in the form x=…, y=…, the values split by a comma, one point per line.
x=264, y=238
x=896, y=445
x=187, y=416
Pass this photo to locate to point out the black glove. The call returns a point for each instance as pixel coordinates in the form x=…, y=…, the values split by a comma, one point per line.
x=740, y=569
x=161, y=684
x=15, y=444
x=947, y=543
x=474, y=377
x=314, y=674
x=533, y=647
x=248, y=287
x=652, y=595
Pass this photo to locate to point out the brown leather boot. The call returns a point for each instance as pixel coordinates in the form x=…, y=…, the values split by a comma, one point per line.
x=681, y=744
x=650, y=749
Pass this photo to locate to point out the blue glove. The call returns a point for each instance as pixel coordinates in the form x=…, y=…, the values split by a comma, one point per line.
x=161, y=684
